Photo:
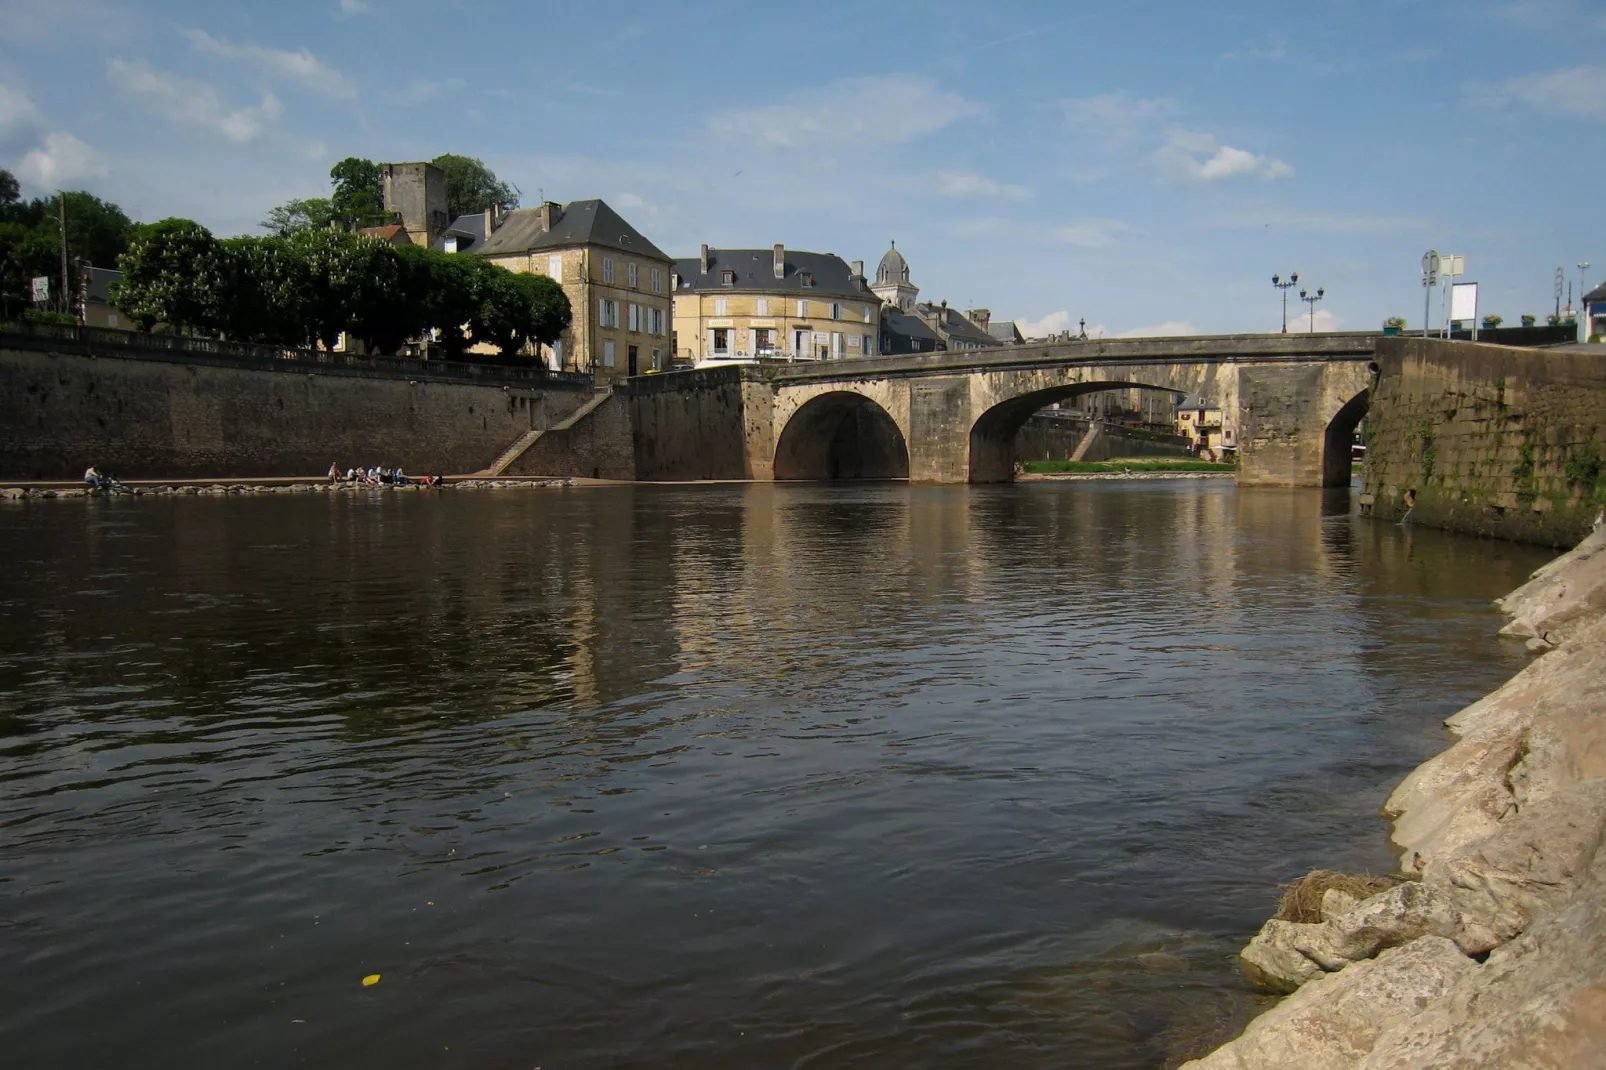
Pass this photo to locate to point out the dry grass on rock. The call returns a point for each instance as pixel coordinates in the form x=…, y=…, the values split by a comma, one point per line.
x=1302, y=900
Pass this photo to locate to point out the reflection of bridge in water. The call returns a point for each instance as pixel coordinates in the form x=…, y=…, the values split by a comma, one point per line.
x=1295, y=401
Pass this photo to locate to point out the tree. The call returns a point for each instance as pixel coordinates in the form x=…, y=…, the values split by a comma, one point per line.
x=173, y=274
x=10, y=195
x=25, y=252
x=311, y=213
x=341, y=276
x=473, y=187
x=97, y=231
x=262, y=292
x=512, y=309
x=359, y=197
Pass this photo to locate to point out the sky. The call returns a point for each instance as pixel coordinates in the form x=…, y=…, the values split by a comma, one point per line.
x=1145, y=166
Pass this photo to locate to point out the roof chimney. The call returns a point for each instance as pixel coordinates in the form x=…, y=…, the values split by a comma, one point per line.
x=780, y=261
x=705, y=259
x=858, y=268
x=980, y=317
x=550, y=213
x=490, y=221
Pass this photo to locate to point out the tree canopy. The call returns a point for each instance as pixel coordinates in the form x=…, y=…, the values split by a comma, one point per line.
x=359, y=196
x=315, y=285
x=473, y=187
x=30, y=239
x=314, y=213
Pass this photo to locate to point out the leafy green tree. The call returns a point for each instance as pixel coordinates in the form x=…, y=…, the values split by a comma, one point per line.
x=473, y=187
x=512, y=309
x=97, y=231
x=263, y=295
x=311, y=213
x=173, y=273
x=10, y=195
x=359, y=197
x=24, y=253
x=342, y=275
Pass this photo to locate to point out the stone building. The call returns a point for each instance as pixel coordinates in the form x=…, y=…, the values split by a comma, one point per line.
x=745, y=304
x=950, y=328
x=616, y=280
x=904, y=332
x=892, y=283
x=416, y=192
x=1205, y=426
x=954, y=329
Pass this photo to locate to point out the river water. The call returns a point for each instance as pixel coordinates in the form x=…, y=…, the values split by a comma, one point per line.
x=711, y=776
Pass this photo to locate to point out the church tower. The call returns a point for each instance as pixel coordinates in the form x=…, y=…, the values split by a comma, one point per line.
x=892, y=283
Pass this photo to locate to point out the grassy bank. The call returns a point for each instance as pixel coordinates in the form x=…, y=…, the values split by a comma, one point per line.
x=1134, y=464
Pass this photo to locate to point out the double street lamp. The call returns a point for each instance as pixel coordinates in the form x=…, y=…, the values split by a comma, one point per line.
x=1311, y=299
x=1283, y=285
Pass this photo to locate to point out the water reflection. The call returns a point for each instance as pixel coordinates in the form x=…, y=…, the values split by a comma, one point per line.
x=713, y=776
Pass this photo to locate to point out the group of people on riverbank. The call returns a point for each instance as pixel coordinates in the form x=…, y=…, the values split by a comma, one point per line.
x=386, y=477
x=95, y=480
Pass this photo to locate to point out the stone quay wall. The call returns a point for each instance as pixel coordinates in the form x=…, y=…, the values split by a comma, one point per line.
x=1487, y=440
x=1490, y=953
x=63, y=408
x=1055, y=438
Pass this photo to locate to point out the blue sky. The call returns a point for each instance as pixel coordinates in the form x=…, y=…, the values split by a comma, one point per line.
x=1145, y=165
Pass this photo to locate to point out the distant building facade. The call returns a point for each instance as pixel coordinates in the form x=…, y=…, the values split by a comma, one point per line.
x=1204, y=425
x=616, y=280
x=954, y=329
x=416, y=192
x=744, y=304
x=1594, y=303
x=904, y=332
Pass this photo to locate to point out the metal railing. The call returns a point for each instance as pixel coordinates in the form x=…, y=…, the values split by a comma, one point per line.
x=218, y=351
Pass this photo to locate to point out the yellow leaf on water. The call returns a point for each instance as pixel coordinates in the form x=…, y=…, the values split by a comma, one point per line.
x=371, y=980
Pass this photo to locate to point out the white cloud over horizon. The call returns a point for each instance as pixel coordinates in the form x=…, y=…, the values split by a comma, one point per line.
x=1167, y=329
x=60, y=159
x=1201, y=157
x=894, y=107
x=966, y=184
x=300, y=66
x=17, y=112
x=185, y=102
x=1578, y=91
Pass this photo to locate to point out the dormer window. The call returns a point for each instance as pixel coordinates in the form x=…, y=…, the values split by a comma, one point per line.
x=728, y=278
x=807, y=278
x=450, y=244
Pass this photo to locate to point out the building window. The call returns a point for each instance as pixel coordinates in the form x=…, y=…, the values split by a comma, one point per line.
x=721, y=307
x=836, y=310
x=728, y=278
x=807, y=278
x=674, y=280
x=763, y=339
x=655, y=321
x=557, y=355
x=632, y=272
x=607, y=354
x=657, y=288
x=635, y=316
x=869, y=345
x=607, y=270
x=761, y=307
x=657, y=358
x=802, y=310
x=554, y=268
x=607, y=313
x=449, y=244
x=867, y=313
x=722, y=341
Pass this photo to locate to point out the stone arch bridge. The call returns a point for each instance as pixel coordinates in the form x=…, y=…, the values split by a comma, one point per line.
x=1294, y=401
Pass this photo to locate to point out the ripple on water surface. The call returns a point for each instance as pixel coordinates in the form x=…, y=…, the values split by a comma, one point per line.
x=705, y=776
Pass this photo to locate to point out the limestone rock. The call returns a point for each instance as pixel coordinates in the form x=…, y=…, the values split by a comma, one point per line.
x=1568, y=590
x=1336, y=901
x=1334, y=1022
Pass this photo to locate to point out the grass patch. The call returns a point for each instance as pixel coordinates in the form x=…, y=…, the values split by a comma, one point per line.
x=1135, y=464
x=1302, y=900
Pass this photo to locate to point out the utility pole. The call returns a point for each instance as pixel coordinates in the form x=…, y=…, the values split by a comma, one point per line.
x=66, y=301
x=1430, y=276
x=1559, y=274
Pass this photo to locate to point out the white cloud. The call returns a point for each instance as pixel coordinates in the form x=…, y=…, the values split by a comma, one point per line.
x=1088, y=233
x=353, y=7
x=1579, y=91
x=1300, y=321
x=1199, y=157
x=16, y=111
x=1160, y=330
x=60, y=159
x=299, y=66
x=895, y=107
x=965, y=184
x=190, y=103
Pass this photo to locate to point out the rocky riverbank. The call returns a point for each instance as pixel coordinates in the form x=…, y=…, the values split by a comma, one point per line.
x=264, y=487
x=1491, y=953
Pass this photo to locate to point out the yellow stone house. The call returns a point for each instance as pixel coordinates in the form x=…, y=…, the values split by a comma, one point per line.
x=616, y=280
x=746, y=304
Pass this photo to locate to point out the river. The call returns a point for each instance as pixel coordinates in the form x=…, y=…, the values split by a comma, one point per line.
x=708, y=776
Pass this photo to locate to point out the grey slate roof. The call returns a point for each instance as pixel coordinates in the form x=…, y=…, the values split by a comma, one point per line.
x=1597, y=296
x=755, y=270
x=908, y=326
x=469, y=230
x=580, y=223
x=954, y=322
x=100, y=280
x=1005, y=331
x=893, y=267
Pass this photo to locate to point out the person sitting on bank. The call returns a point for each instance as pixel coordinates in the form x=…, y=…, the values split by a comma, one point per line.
x=334, y=472
x=93, y=478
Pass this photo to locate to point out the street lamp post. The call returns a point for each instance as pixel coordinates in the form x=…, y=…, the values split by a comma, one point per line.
x=1283, y=285
x=1311, y=299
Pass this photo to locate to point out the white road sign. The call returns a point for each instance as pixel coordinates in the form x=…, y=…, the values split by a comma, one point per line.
x=41, y=289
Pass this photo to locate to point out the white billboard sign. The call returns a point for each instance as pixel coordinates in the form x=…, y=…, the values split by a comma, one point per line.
x=1464, y=301
x=41, y=289
x=1452, y=265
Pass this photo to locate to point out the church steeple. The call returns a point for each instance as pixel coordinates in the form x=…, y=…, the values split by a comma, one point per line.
x=892, y=283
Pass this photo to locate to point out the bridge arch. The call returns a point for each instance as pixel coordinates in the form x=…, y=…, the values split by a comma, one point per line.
x=992, y=436
x=1339, y=438
x=841, y=434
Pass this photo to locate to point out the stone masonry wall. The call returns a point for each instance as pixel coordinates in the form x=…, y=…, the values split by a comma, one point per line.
x=690, y=425
x=1055, y=438
x=150, y=418
x=1487, y=439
